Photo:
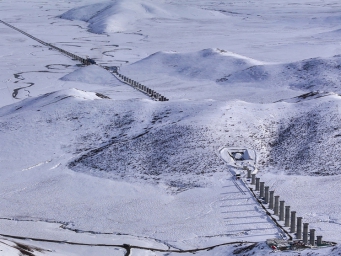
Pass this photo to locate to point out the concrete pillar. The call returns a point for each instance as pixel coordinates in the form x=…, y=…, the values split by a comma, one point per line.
x=319, y=240
x=248, y=173
x=257, y=184
x=266, y=196
x=312, y=237
x=276, y=205
x=261, y=189
x=253, y=179
x=305, y=233
x=271, y=200
x=287, y=216
x=299, y=228
x=293, y=222
x=281, y=210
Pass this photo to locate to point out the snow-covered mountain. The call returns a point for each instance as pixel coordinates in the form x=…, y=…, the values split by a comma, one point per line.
x=121, y=15
x=86, y=160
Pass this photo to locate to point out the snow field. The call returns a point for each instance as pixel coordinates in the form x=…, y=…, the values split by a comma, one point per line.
x=128, y=165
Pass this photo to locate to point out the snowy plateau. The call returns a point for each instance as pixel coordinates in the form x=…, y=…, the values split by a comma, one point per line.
x=91, y=166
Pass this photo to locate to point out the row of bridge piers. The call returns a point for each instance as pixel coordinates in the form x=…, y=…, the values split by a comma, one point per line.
x=151, y=93
x=142, y=88
x=291, y=221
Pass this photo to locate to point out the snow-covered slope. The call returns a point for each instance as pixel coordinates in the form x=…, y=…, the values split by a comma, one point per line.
x=104, y=164
x=312, y=74
x=123, y=15
x=143, y=148
x=91, y=75
x=34, y=104
x=207, y=64
x=226, y=68
x=198, y=75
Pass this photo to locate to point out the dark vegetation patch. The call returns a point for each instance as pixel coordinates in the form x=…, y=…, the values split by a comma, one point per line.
x=24, y=249
x=316, y=74
x=308, y=144
x=244, y=249
x=102, y=96
x=157, y=149
x=172, y=150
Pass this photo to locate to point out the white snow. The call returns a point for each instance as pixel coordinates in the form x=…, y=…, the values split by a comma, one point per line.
x=87, y=159
x=91, y=75
x=120, y=15
x=206, y=64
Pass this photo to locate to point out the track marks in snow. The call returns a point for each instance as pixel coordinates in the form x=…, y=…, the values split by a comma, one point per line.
x=36, y=165
x=241, y=214
x=239, y=188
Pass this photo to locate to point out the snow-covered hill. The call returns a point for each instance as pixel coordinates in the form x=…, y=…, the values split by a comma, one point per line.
x=198, y=75
x=91, y=75
x=122, y=15
x=207, y=64
x=311, y=74
x=85, y=158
